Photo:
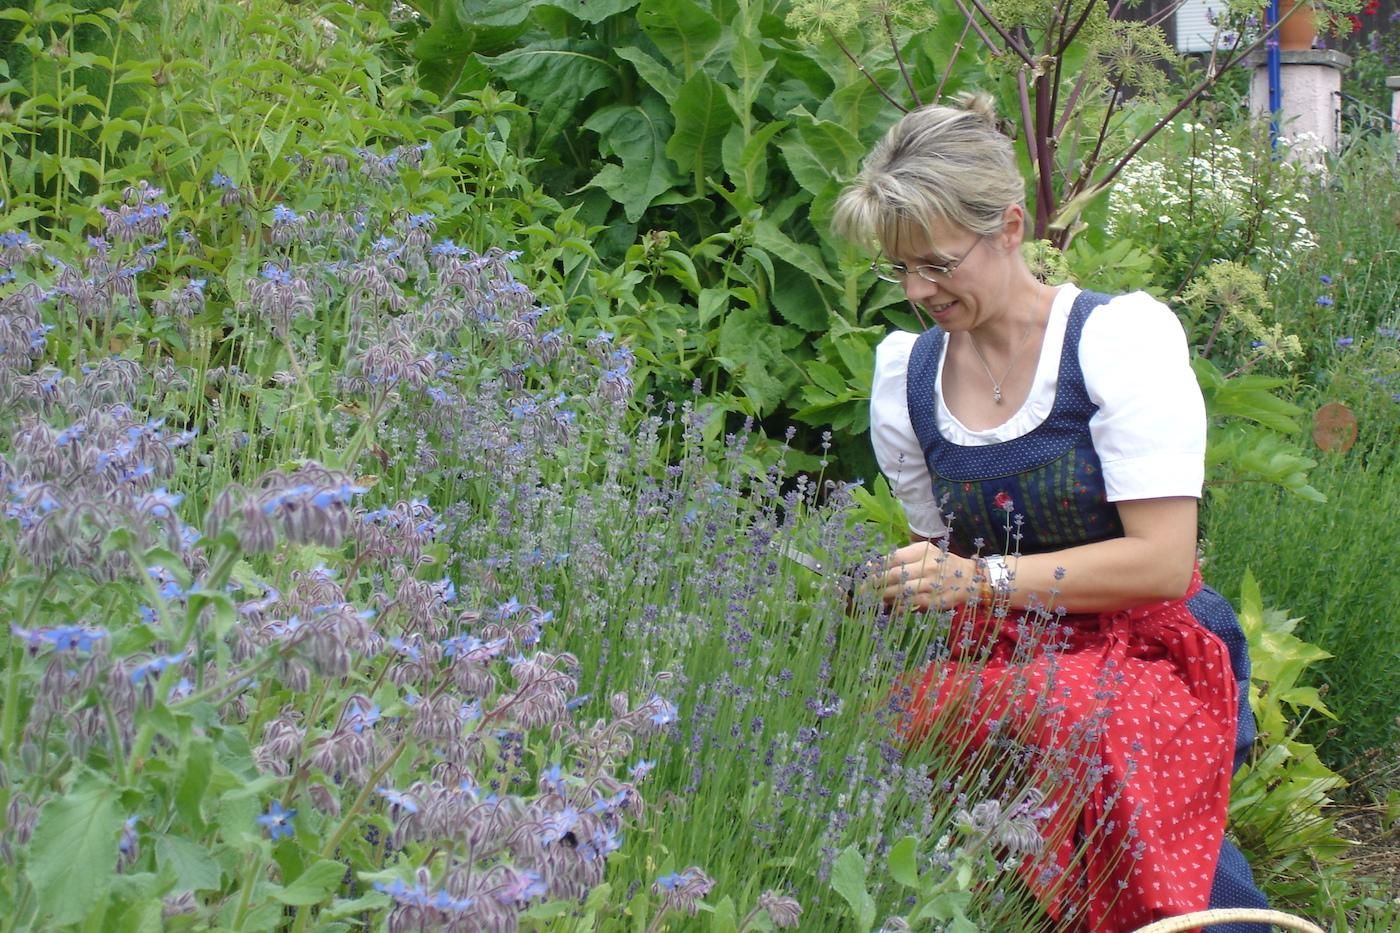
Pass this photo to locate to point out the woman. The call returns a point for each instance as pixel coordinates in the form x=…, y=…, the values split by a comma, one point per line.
x=1048, y=446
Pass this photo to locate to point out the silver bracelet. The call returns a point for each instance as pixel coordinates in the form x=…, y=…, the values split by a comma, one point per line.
x=996, y=572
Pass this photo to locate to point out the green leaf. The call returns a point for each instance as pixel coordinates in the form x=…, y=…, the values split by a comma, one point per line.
x=902, y=862
x=803, y=256
x=224, y=614
x=190, y=864
x=313, y=885
x=492, y=12
x=637, y=135
x=372, y=901
x=724, y=919
x=848, y=880
x=713, y=303
x=661, y=80
x=593, y=11
x=557, y=76
x=73, y=854
x=754, y=351
x=826, y=376
x=684, y=31
x=746, y=57
x=820, y=152
x=703, y=116
x=745, y=160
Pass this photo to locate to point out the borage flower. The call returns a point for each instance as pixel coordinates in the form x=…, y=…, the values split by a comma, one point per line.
x=278, y=821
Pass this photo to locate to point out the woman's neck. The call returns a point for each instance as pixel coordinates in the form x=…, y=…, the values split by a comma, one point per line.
x=1026, y=307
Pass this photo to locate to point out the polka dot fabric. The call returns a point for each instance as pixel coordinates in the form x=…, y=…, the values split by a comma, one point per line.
x=1136, y=710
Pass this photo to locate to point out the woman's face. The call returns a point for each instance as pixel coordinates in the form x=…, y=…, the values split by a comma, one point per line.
x=973, y=292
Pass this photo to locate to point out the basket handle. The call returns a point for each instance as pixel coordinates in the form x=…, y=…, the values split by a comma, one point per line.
x=1231, y=915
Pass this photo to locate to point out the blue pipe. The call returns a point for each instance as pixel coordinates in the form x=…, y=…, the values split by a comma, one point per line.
x=1275, y=76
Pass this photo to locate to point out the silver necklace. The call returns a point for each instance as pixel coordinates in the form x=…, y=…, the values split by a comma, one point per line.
x=996, y=383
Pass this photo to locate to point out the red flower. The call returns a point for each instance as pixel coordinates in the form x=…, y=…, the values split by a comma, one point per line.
x=1355, y=22
x=1003, y=502
x=1372, y=8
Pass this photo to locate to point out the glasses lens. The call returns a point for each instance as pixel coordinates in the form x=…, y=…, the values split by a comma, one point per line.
x=934, y=273
x=888, y=271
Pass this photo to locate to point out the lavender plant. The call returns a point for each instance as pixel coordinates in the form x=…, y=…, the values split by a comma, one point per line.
x=263, y=690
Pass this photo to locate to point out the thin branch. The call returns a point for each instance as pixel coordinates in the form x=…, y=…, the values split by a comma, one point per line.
x=1011, y=43
x=1208, y=82
x=868, y=76
x=972, y=21
x=1029, y=127
x=1045, y=158
x=1071, y=101
x=1162, y=15
x=899, y=60
x=1093, y=157
x=1067, y=38
x=952, y=60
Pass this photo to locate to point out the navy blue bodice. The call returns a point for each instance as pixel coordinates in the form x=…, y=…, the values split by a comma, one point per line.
x=1043, y=491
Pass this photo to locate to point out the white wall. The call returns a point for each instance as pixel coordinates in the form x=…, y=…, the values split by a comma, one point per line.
x=1193, y=31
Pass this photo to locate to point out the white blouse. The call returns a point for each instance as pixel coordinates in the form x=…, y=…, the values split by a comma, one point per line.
x=1149, y=430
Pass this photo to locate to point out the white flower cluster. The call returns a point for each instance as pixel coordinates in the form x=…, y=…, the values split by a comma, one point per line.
x=1219, y=199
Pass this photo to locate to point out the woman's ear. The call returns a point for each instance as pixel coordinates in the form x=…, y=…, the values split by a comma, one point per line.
x=1013, y=227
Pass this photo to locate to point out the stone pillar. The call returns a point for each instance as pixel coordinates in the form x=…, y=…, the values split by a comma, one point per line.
x=1311, y=86
x=1393, y=82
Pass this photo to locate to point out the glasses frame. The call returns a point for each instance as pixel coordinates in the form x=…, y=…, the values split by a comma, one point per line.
x=932, y=272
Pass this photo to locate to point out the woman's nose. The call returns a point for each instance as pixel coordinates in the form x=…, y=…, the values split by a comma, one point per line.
x=917, y=288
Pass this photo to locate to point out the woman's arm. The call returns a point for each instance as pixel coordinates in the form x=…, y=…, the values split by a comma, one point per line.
x=1153, y=561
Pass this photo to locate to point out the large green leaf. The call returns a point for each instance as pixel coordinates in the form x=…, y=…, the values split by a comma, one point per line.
x=593, y=11
x=190, y=864
x=73, y=854
x=819, y=152
x=443, y=49
x=746, y=58
x=313, y=885
x=754, y=351
x=491, y=12
x=555, y=76
x=848, y=879
x=637, y=135
x=684, y=31
x=653, y=72
x=799, y=299
x=745, y=159
x=804, y=256
x=703, y=117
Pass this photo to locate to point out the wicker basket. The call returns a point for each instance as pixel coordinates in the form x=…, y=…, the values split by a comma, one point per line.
x=1231, y=915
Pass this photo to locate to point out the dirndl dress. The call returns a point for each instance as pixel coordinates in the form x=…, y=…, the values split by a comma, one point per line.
x=1140, y=716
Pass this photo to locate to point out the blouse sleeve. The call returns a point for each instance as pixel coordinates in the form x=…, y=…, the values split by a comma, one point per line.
x=892, y=435
x=1150, y=429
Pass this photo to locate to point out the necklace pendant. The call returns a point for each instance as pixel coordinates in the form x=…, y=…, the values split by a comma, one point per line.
x=996, y=395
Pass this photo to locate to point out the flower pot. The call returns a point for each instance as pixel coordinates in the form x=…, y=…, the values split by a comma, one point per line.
x=1297, y=28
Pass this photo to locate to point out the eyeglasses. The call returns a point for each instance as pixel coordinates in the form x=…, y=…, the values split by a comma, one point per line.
x=933, y=272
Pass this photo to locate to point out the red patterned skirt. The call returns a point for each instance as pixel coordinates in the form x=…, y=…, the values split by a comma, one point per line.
x=1126, y=722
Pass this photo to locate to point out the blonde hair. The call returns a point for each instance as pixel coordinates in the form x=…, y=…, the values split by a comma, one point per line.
x=938, y=163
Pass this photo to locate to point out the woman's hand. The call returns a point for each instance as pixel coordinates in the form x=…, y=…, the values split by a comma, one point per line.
x=925, y=577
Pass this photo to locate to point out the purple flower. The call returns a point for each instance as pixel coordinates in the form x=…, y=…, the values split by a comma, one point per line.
x=1325, y=279
x=1324, y=300
x=154, y=666
x=278, y=822
x=1344, y=342
x=405, y=802
x=663, y=711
